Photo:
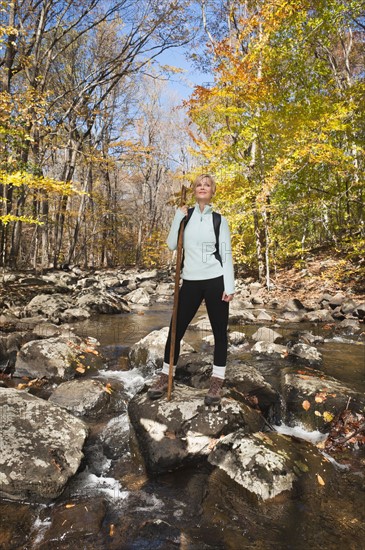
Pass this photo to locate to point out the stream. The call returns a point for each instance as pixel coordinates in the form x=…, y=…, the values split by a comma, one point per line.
x=114, y=504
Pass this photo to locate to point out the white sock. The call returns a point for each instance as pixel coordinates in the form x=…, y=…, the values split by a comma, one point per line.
x=166, y=368
x=219, y=372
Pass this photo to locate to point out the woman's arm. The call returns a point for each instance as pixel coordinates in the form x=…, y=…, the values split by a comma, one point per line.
x=225, y=250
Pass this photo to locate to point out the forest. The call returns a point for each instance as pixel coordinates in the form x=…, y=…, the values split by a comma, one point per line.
x=94, y=147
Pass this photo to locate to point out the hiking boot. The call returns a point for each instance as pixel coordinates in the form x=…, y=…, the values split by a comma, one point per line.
x=213, y=396
x=159, y=387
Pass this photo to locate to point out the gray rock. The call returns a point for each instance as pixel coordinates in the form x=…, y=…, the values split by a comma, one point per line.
x=314, y=399
x=139, y=296
x=59, y=358
x=115, y=437
x=81, y=397
x=255, y=287
x=293, y=316
x=47, y=305
x=74, y=314
x=165, y=289
x=61, y=279
x=101, y=301
x=268, y=348
x=294, y=305
x=266, y=464
x=147, y=275
x=263, y=316
x=350, y=325
x=348, y=306
x=306, y=352
x=149, y=351
x=246, y=384
x=41, y=446
x=88, y=282
x=337, y=300
x=236, y=338
x=309, y=338
x=319, y=315
x=173, y=433
x=202, y=324
x=360, y=311
x=237, y=315
x=46, y=330
x=265, y=334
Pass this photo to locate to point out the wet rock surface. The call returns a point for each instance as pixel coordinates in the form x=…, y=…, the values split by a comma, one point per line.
x=266, y=464
x=172, y=433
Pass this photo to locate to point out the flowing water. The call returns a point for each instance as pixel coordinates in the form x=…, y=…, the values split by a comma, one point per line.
x=117, y=505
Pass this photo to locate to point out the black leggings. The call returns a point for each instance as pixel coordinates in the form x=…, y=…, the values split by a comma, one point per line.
x=191, y=295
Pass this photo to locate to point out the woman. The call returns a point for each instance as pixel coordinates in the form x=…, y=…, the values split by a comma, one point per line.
x=206, y=278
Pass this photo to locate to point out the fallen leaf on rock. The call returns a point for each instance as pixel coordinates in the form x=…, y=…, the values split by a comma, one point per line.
x=70, y=505
x=320, y=480
x=328, y=417
x=306, y=405
x=111, y=530
x=108, y=388
x=80, y=369
x=317, y=413
x=170, y=435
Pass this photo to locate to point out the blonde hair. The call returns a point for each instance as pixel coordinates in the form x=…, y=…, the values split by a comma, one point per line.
x=198, y=179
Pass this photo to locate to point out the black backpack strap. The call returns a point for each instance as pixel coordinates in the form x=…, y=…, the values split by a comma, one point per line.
x=187, y=218
x=185, y=221
x=217, y=218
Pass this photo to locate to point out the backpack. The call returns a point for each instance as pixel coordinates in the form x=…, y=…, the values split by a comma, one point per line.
x=217, y=218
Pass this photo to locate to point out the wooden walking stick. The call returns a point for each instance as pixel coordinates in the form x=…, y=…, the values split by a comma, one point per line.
x=176, y=296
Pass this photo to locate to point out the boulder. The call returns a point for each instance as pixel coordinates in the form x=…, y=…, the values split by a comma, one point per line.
x=47, y=305
x=101, y=301
x=237, y=315
x=60, y=358
x=293, y=316
x=348, y=306
x=314, y=399
x=266, y=464
x=310, y=338
x=115, y=437
x=294, y=305
x=165, y=289
x=268, y=348
x=88, y=397
x=236, y=338
x=263, y=316
x=319, y=315
x=74, y=314
x=246, y=384
x=174, y=433
x=303, y=351
x=147, y=275
x=41, y=446
x=350, y=326
x=264, y=334
x=46, y=330
x=203, y=324
x=139, y=296
x=149, y=351
x=360, y=311
x=337, y=300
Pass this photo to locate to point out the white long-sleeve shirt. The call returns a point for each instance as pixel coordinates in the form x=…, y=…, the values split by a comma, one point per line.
x=199, y=247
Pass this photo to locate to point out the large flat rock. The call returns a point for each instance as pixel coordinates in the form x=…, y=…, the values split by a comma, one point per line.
x=41, y=446
x=173, y=433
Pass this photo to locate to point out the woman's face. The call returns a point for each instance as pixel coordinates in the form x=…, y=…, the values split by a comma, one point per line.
x=203, y=190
